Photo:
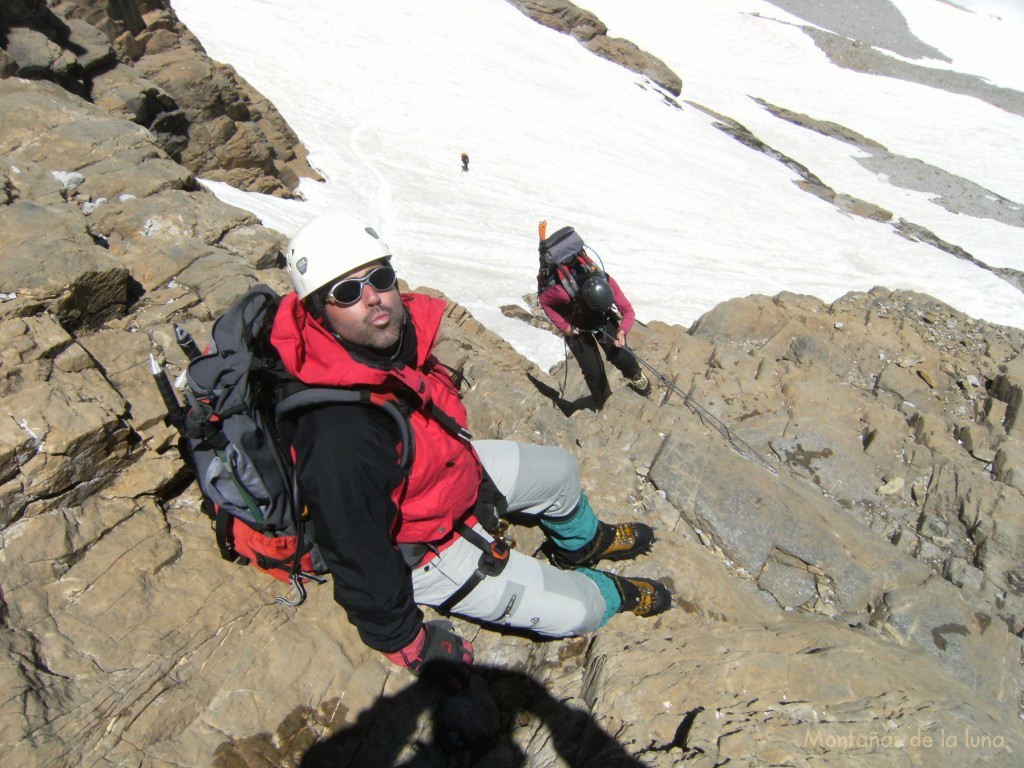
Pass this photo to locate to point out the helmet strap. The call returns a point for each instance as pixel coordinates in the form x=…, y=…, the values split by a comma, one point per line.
x=315, y=304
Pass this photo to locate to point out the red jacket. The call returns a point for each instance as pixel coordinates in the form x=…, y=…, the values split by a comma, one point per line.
x=446, y=473
x=347, y=458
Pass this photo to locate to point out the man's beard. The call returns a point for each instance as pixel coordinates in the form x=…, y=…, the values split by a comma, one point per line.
x=382, y=339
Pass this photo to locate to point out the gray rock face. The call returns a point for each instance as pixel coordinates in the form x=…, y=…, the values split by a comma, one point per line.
x=861, y=37
x=836, y=488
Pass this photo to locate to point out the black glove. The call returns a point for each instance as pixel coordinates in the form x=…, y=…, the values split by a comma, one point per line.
x=437, y=654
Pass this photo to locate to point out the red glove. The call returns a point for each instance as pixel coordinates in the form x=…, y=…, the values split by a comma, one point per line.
x=437, y=654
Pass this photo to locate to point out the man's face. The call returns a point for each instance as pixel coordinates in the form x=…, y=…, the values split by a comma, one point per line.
x=375, y=320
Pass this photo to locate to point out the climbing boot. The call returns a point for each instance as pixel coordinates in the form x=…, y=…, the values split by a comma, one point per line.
x=640, y=384
x=644, y=597
x=611, y=542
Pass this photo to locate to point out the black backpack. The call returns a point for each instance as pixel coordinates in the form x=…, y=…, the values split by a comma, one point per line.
x=236, y=392
x=564, y=260
x=560, y=247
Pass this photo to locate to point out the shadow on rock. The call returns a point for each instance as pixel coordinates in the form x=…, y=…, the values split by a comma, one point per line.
x=567, y=407
x=489, y=724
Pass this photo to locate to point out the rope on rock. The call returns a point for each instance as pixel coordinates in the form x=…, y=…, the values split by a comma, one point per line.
x=741, y=446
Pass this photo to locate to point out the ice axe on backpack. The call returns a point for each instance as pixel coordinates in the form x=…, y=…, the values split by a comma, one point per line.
x=175, y=413
x=187, y=344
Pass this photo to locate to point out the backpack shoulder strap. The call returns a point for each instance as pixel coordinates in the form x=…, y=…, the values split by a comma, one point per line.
x=314, y=396
x=587, y=263
x=575, y=272
x=564, y=275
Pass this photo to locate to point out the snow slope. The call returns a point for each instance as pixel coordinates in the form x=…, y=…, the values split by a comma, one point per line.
x=387, y=95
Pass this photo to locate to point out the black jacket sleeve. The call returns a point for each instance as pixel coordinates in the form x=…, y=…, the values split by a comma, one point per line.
x=348, y=467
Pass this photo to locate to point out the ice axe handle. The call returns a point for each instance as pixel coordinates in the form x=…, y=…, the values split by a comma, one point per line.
x=174, y=411
x=186, y=343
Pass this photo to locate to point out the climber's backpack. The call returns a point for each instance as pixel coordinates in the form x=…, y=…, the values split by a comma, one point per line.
x=564, y=260
x=560, y=247
x=230, y=439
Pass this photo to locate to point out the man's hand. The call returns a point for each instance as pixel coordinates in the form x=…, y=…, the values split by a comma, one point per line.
x=437, y=654
x=620, y=340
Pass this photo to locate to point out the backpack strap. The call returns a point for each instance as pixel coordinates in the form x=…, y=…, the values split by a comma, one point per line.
x=450, y=424
x=222, y=523
x=572, y=274
x=493, y=559
x=564, y=275
x=584, y=260
x=314, y=396
x=295, y=397
x=490, y=510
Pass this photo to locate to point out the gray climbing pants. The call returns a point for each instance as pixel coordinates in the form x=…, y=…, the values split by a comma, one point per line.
x=529, y=593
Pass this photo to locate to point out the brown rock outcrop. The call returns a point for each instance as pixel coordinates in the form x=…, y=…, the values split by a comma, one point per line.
x=592, y=34
x=135, y=60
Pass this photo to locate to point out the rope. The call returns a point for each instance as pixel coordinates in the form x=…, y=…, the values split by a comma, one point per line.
x=565, y=368
x=708, y=419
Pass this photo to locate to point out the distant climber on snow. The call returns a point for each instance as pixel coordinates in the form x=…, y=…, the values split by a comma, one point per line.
x=581, y=299
x=465, y=162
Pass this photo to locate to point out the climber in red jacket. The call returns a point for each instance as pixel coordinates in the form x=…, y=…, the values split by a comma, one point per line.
x=393, y=539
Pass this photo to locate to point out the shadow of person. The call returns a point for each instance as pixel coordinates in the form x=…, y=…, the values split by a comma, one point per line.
x=567, y=407
x=482, y=726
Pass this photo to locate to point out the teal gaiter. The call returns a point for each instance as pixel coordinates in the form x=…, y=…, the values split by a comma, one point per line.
x=612, y=598
x=575, y=530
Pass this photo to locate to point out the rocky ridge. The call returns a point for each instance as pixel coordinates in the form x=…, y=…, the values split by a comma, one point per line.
x=837, y=490
x=592, y=34
x=136, y=61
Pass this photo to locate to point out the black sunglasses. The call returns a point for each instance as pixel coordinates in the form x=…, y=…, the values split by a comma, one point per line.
x=347, y=292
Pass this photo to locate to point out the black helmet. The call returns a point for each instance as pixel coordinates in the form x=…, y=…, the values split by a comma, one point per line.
x=597, y=294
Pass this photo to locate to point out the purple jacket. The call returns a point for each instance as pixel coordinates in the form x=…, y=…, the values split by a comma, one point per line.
x=564, y=312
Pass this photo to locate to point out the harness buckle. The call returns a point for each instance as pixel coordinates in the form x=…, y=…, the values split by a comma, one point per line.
x=501, y=534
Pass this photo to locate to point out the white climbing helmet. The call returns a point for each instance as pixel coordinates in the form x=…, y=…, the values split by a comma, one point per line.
x=328, y=247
